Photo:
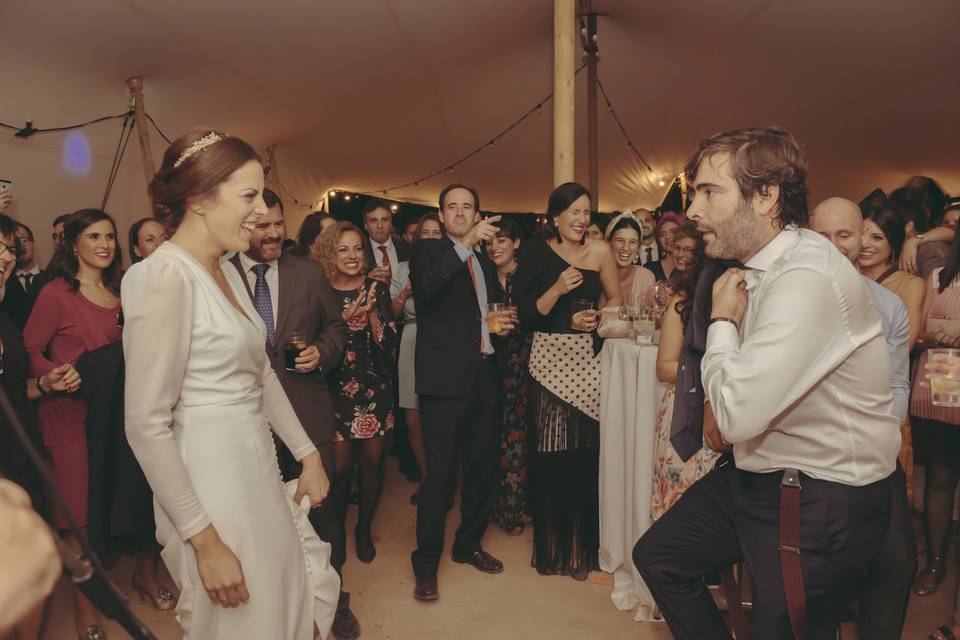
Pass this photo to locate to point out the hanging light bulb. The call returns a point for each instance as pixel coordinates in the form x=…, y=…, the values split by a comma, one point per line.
x=333, y=193
x=394, y=207
x=661, y=182
x=347, y=197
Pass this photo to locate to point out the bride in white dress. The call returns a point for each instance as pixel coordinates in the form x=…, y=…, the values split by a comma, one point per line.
x=200, y=400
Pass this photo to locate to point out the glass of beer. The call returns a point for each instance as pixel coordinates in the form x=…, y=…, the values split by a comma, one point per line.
x=495, y=312
x=295, y=343
x=580, y=308
x=943, y=371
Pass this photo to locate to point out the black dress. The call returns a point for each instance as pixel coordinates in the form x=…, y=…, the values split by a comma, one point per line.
x=13, y=459
x=563, y=441
x=362, y=385
x=656, y=266
x=513, y=357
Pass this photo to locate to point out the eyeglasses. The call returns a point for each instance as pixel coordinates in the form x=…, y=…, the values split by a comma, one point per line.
x=4, y=247
x=57, y=237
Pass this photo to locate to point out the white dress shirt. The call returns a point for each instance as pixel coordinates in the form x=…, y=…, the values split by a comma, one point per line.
x=806, y=383
x=273, y=280
x=654, y=253
x=896, y=325
x=391, y=253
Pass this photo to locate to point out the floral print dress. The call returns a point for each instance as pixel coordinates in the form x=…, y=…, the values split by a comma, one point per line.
x=361, y=386
x=513, y=356
x=671, y=475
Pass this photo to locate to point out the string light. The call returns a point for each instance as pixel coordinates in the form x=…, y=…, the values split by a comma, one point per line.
x=333, y=193
x=394, y=207
x=346, y=197
x=622, y=129
x=662, y=182
x=537, y=108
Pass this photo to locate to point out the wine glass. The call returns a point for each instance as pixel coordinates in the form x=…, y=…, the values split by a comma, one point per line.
x=657, y=298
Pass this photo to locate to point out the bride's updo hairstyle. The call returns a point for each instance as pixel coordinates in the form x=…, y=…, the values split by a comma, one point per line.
x=194, y=165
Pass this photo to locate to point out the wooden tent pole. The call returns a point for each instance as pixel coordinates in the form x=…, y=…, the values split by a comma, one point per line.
x=593, y=140
x=143, y=133
x=564, y=31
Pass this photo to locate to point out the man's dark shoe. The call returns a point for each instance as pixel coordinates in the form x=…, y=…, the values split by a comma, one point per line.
x=345, y=624
x=480, y=560
x=426, y=589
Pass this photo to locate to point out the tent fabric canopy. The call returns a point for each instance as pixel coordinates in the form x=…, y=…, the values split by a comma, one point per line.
x=367, y=94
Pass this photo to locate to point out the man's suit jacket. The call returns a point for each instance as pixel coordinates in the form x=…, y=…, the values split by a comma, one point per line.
x=448, y=317
x=17, y=302
x=404, y=251
x=306, y=303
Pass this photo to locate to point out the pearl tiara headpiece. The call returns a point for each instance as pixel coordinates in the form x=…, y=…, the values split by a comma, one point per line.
x=211, y=138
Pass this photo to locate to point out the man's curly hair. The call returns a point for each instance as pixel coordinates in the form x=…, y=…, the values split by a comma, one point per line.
x=760, y=158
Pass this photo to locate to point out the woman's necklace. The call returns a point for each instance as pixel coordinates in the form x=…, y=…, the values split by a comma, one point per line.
x=100, y=289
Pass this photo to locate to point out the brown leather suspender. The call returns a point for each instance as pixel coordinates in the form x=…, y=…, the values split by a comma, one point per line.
x=790, y=550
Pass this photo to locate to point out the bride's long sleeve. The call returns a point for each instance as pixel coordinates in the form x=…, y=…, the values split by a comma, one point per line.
x=158, y=316
x=283, y=419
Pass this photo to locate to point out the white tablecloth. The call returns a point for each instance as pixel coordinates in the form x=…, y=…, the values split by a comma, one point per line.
x=629, y=398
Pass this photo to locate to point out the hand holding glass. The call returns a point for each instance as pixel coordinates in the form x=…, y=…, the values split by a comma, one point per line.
x=495, y=316
x=584, y=316
x=943, y=372
x=295, y=343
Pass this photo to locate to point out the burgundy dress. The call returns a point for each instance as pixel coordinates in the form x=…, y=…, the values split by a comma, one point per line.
x=62, y=327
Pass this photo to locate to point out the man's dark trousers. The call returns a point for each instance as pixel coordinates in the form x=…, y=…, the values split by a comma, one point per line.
x=732, y=515
x=476, y=419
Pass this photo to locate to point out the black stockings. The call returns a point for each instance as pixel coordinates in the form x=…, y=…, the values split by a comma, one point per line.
x=370, y=479
x=941, y=482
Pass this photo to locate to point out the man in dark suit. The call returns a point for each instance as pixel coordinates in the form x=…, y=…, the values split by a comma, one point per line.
x=292, y=294
x=459, y=385
x=384, y=253
x=24, y=287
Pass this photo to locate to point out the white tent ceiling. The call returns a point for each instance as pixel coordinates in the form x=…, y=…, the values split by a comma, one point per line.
x=366, y=94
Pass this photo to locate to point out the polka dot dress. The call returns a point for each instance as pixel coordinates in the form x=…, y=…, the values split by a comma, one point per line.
x=565, y=364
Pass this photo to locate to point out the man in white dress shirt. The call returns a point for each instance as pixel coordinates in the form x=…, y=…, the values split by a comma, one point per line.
x=883, y=601
x=797, y=373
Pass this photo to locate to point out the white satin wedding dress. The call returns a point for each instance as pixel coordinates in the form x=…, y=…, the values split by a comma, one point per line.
x=200, y=393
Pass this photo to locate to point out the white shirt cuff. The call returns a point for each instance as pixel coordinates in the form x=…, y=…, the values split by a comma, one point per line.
x=722, y=334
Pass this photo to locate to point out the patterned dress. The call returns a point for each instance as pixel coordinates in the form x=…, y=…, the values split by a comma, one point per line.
x=513, y=355
x=672, y=476
x=362, y=389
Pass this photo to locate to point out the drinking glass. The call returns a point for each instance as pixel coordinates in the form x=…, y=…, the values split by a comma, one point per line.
x=943, y=371
x=631, y=308
x=295, y=343
x=580, y=307
x=495, y=313
x=644, y=328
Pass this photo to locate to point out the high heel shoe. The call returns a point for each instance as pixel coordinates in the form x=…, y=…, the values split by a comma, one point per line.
x=92, y=632
x=928, y=581
x=366, y=552
x=163, y=601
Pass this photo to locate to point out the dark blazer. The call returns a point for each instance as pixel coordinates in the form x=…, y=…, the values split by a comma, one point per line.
x=306, y=303
x=17, y=302
x=120, y=500
x=448, y=317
